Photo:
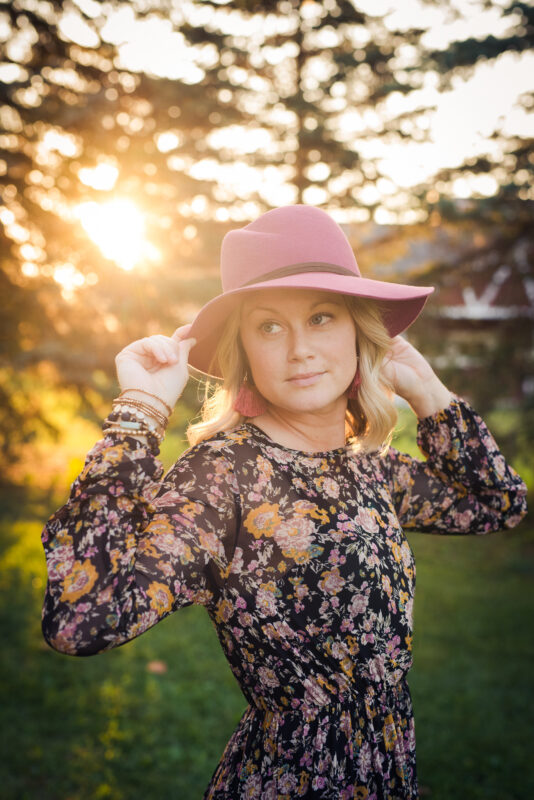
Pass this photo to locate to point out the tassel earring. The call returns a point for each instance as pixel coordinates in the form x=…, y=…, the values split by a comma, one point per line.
x=249, y=402
x=355, y=385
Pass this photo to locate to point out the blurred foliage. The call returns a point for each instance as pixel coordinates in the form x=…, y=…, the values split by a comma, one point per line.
x=81, y=131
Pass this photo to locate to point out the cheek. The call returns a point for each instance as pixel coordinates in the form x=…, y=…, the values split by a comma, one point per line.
x=262, y=358
x=344, y=347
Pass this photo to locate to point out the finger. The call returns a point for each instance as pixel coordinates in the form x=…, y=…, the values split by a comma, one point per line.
x=186, y=345
x=181, y=333
x=157, y=347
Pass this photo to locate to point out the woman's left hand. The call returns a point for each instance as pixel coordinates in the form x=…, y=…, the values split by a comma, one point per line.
x=411, y=377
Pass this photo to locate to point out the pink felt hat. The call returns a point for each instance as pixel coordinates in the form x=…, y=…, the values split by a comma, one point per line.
x=294, y=247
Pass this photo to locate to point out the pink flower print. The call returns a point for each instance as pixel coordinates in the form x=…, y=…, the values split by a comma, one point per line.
x=287, y=782
x=463, y=519
x=392, y=647
x=314, y=695
x=377, y=669
x=442, y=440
x=358, y=604
x=253, y=787
x=364, y=760
x=281, y=456
x=331, y=581
x=269, y=791
x=330, y=488
x=265, y=598
x=366, y=519
x=60, y=562
x=268, y=677
x=335, y=557
x=210, y=542
x=301, y=591
x=245, y=619
x=294, y=533
x=237, y=561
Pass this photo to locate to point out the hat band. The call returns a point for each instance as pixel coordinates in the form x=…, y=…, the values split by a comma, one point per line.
x=305, y=266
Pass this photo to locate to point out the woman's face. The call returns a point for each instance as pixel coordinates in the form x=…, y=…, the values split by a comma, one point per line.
x=301, y=347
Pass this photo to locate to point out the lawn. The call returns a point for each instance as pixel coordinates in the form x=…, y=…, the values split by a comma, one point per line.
x=150, y=719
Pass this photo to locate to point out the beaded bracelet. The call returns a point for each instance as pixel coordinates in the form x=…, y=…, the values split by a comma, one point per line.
x=132, y=423
x=147, y=410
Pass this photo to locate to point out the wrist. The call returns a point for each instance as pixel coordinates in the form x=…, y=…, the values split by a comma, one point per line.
x=138, y=394
x=430, y=399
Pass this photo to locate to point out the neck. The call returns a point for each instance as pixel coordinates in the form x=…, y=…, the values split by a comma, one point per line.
x=311, y=431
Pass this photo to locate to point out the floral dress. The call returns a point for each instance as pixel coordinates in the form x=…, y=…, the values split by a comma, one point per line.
x=302, y=564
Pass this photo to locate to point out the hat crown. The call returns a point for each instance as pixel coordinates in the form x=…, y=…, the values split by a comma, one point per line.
x=286, y=237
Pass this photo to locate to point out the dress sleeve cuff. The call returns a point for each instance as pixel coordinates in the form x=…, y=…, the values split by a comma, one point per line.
x=439, y=434
x=121, y=464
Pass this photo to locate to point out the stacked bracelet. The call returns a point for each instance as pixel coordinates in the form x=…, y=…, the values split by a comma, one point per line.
x=135, y=417
x=155, y=396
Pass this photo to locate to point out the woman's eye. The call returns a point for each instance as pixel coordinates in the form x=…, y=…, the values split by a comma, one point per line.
x=320, y=319
x=269, y=327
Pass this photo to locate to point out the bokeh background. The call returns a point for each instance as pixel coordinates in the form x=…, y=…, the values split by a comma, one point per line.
x=133, y=135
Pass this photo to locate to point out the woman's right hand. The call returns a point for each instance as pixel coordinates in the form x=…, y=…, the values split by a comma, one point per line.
x=156, y=364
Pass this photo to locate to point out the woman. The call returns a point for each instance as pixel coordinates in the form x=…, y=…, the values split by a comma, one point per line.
x=285, y=518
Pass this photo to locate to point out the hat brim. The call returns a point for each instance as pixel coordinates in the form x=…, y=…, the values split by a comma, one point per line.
x=400, y=304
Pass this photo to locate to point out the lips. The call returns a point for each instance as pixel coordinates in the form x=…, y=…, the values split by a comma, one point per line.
x=305, y=379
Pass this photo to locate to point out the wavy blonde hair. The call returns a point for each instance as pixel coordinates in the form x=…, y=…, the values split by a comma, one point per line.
x=370, y=418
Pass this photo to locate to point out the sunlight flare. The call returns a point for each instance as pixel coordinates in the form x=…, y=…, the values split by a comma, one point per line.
x=117, y=227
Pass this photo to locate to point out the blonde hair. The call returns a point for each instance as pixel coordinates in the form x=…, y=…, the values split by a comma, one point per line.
x=370, y=418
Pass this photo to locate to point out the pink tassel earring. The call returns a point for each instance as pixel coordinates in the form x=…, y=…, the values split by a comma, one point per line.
x=355, y=385
x=248, y=402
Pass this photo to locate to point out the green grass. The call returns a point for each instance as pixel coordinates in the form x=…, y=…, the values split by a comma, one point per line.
x=108, y=727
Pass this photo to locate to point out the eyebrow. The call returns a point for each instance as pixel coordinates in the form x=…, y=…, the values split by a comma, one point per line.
x=313, y=305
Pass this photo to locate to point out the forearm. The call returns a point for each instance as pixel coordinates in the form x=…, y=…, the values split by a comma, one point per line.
x=429, y=398
x=90, y=545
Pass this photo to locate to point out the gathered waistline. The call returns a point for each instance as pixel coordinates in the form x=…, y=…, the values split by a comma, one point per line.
x=368, y=693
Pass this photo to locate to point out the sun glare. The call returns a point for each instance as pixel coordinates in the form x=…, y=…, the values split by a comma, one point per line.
x=102, y=177
x=117, y=227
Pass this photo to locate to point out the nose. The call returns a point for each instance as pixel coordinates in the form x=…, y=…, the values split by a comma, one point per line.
x=299, y=345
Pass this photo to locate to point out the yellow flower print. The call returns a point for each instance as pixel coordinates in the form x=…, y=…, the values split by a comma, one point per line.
x=160, y=597
x=262, y=521
x=390, y=733
x=352, y=644
x=395, y=550
x=80, y=580
x=298, y=556
x=225, y=610
x=113, y=455
x=265, y=468
x=125, y=503
x=360, y=793
x=159, y=526
x=63, y=539
x=303, y=507
x=331, y=581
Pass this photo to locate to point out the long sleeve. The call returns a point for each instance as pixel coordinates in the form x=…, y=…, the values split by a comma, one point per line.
x=128, y=548
x=465, y=484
